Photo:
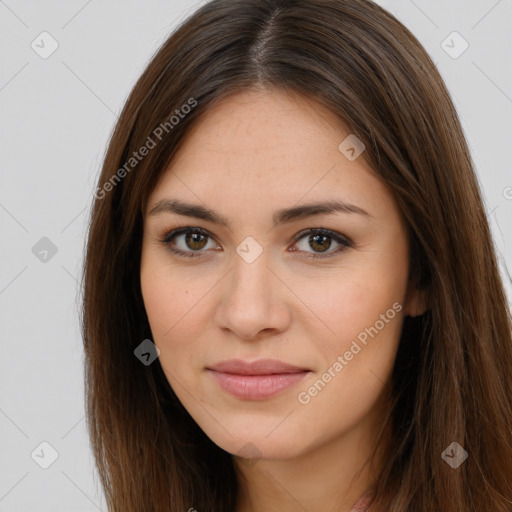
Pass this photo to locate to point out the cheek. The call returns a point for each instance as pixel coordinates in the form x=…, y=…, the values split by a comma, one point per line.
x=157, y=298
x=169, y=299
x=366, y=316
x=354, y=303
x=176, y=307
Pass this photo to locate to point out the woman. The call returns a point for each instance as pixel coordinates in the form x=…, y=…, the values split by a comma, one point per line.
x=291, y=296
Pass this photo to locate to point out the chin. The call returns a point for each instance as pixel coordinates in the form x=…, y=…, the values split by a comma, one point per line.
x=253, y=443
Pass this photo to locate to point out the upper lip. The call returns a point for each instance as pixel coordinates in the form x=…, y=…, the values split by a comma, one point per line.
x=258, y=367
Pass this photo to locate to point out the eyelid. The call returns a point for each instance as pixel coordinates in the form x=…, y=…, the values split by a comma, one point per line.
x=339, y=237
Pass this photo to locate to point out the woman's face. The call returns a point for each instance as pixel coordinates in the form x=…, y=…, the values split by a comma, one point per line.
x=252, y=284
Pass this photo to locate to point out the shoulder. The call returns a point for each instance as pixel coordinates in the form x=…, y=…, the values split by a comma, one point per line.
x=362, y=502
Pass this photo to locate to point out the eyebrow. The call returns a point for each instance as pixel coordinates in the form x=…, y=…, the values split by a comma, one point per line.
x=280, y=216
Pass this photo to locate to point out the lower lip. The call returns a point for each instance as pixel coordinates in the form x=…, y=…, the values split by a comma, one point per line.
x=257, y=387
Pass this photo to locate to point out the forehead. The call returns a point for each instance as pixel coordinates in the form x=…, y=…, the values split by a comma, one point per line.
x=269, y=122
x=268, y=147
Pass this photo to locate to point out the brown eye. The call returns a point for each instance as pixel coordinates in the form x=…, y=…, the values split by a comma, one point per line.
x=188, y=242
x=195, y=241
x=320, y=240
x=192, y=242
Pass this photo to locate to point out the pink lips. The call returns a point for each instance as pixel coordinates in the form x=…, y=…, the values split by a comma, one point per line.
x=256, y=380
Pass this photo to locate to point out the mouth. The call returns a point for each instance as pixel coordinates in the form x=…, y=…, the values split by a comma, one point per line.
x=257, y=380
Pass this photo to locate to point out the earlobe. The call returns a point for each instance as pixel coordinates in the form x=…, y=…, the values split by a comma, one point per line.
x=415, y=303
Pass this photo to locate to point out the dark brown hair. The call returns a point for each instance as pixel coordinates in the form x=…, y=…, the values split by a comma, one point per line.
x=452, y=377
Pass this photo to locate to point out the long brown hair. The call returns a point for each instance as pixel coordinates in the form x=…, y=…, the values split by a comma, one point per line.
x=452, y=380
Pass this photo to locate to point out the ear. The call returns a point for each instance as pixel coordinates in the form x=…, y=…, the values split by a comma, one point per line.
x=415, y=304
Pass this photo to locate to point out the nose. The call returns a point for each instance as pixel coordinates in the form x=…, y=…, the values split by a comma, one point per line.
x=254, y=301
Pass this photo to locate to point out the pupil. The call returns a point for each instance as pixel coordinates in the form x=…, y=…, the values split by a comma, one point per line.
x=314, y=240
x=193, y=238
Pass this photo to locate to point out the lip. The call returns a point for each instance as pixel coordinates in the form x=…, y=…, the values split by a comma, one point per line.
x=256, y=380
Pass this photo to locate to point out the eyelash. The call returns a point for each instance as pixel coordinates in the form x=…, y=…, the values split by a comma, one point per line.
x=345, y=242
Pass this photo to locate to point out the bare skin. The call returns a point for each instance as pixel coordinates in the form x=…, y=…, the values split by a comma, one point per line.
x=250, y=155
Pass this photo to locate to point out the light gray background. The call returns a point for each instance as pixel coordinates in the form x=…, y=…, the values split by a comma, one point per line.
x=56, y=117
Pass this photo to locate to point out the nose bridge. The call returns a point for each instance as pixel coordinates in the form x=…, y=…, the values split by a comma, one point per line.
x=250, y=266
x=249, y=303
x=250, y=279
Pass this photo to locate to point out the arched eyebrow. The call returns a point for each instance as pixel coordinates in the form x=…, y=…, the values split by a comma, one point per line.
x=282, y=216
